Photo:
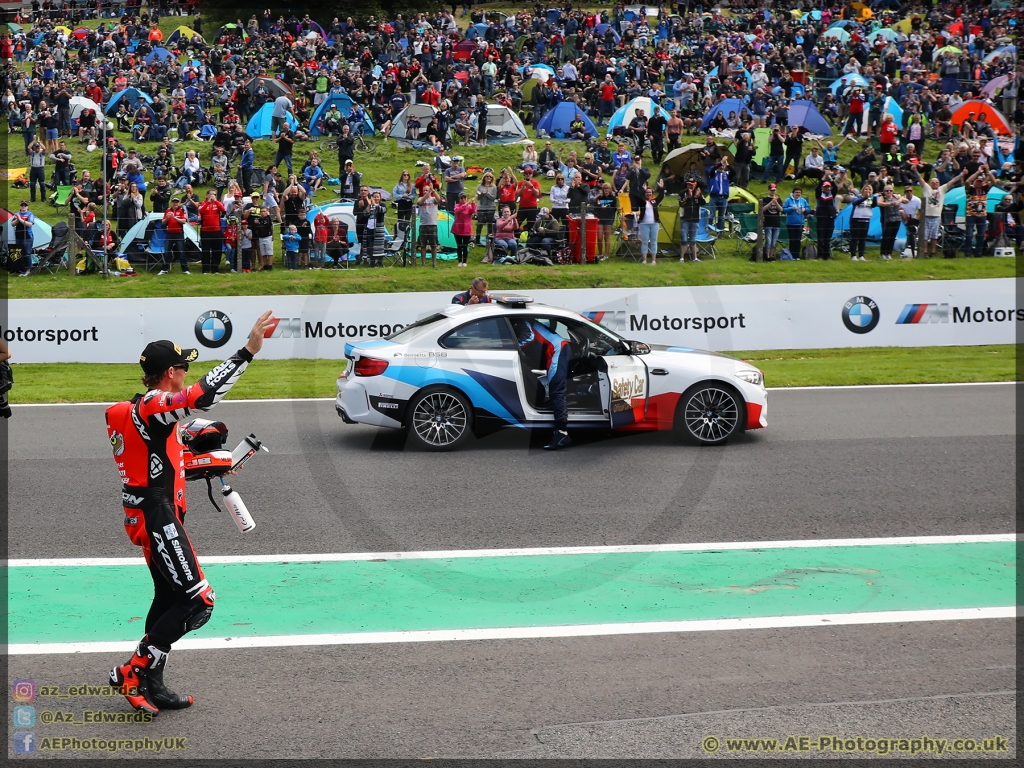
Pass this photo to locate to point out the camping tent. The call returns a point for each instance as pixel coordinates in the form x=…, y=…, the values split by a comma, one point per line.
x=423, y=112
x=874, y=226
x=851, y=79
x=259, y=125
x=42, y=233
x=345, y=212
x=627, y=112
x=993, y=85
x=805, y=115
x=980, y=109
x=477, y=30
x=184, y=33
x=555, y=122
x=762, y=136
x=463, y=51
x=714, y=73
x=274, y=86
x=133, y=95
x=890, y=107
x=503, y=127
x=79, y=103
x=161, y=55
x=725, y=106
x=344, y=102
x=956, y=197
x=231, y=30
x=139, y=236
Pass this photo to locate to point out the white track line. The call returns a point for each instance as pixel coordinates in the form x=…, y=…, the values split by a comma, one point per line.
x=524, y=633
x=532, y=552
x=770, y=389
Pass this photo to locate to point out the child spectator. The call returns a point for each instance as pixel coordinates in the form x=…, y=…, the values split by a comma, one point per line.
x=292, y=240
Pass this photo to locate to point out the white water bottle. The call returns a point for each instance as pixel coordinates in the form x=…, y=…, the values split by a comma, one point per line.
x=237, y=508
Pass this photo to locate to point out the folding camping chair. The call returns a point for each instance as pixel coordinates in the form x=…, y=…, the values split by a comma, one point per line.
x=396, y=249
x=705, y=237
x=746, y=235
x=627, y=232
x=157, y=248
x=52, y=259
x=61, y=199
x=951, y=235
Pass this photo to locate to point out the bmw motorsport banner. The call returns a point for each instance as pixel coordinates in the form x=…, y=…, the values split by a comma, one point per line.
x=724, y=318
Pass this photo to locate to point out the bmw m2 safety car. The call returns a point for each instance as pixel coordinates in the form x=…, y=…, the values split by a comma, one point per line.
x=461, y=371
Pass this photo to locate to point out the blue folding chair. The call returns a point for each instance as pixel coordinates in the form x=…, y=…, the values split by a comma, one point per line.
x=705, y=237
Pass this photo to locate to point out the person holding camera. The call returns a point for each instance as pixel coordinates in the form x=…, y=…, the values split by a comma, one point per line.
x=771, y=208
x=825, y=212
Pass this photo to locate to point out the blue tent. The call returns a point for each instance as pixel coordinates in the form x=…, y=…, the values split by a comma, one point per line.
x=956, y=197
x=851, y=79
x=344, y=102
x=806, y=115
x=160, y=54
x=627, y=112
x=555, y=122
x=726, y=106
x=260, y=123
x=714, y=73
x=133, y=95
x=796, y=89
x=874, y=226
x=477, y=30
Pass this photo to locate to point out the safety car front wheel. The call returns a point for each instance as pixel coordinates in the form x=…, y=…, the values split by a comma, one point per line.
x=709, y=414
x=440, y=420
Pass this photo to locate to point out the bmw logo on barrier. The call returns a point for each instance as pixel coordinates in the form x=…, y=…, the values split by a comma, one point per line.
x=213, y=329
x=860, y=314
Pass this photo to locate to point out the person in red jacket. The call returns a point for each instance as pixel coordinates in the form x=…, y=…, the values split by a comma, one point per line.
x=147, y=449
x=527, y=198
x=175, y=219
x=210, y=211
x=321, y=224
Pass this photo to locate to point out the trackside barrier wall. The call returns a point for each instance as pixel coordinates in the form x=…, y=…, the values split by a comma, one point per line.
x=724, y=318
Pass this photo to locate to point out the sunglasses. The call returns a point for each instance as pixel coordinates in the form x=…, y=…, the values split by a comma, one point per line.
x=182, y=366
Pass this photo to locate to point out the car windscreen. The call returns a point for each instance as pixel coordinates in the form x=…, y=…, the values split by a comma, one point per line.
x=413, y=330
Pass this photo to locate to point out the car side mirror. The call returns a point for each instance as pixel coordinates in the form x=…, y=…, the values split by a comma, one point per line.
x=639, y=348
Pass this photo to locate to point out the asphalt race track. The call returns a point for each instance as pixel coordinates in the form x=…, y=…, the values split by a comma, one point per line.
x=834, y=464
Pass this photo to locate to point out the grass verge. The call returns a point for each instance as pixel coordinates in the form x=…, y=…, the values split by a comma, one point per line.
x=52, y=382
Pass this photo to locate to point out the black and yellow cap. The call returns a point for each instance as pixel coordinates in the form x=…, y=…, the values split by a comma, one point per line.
x=158, y=356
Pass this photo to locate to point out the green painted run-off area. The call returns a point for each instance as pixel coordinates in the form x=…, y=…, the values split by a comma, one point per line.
x=82, y=604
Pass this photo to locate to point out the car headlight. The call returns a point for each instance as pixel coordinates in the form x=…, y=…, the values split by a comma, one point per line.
x=751, y=377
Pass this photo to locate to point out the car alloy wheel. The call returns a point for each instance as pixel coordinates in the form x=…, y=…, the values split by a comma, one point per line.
x=440, y=420
x=709, y=416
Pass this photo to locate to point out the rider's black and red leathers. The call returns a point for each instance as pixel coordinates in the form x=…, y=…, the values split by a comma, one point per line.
x=148, y=450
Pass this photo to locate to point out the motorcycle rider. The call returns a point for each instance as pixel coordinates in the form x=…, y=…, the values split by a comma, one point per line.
x=147, y=448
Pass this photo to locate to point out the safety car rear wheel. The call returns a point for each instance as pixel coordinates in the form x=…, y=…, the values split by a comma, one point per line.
x=440, y=419
x=709, y=413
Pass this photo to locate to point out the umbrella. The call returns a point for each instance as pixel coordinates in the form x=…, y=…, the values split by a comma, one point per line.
x=384, y=194
x=887, y=33
x=994, y=85
x=63, y=30
x=903, y=25
x=851, y=79
x=948, y=49
x=837, y=33
x=81, y=33
x=1007, y=51
x=678, y=160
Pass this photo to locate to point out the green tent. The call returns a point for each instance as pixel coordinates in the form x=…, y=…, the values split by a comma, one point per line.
x=761, y=138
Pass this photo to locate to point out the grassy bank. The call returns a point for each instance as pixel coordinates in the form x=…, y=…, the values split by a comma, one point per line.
x=50, y=383
x=728, y=269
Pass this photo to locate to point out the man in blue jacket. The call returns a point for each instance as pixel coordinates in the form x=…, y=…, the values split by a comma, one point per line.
x=718, y=186
x=796, y=210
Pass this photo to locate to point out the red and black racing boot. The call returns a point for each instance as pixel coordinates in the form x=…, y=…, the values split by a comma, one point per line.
x=132, y=679
x=159, y=693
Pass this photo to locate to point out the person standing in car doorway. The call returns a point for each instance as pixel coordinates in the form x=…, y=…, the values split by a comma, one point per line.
x=556, y=353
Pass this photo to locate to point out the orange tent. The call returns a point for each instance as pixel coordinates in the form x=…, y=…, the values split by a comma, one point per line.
x=980, y=109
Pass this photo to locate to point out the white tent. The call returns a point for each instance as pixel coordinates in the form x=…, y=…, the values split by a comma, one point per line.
x=80, y=103
x=503, y=125
x=142, y=232
x=399, y=126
